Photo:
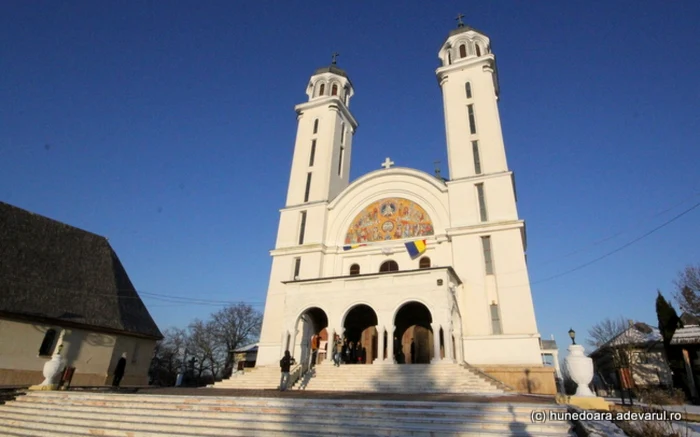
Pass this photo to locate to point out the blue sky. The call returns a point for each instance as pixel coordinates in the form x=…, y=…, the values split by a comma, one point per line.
x=169, y=129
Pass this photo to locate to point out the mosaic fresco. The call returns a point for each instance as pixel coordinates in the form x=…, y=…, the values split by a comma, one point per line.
x=389, y=219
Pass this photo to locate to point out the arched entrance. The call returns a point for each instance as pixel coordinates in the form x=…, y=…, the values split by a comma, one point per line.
x=311, y=322
x=413, y=337
x=361, y=326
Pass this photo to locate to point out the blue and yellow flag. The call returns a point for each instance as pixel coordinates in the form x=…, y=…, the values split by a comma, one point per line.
x=416, y=248
x=353, y=246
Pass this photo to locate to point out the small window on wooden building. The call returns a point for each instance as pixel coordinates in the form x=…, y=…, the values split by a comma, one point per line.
x=389, y=266
x=424, y=263
x=47, y=346
x=354, y=270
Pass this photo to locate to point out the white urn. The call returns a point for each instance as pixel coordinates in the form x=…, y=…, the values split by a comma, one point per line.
x=52, y=369
x=580, y=368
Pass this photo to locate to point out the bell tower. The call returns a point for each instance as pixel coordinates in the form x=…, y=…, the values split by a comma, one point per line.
x=321, y=161
x=469, y=81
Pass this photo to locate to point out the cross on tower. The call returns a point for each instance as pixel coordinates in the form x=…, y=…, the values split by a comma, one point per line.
x=387, y=163
x=459, y=20
x=333, y=56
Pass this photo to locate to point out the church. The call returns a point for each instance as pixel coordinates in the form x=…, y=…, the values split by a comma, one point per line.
x=415, y=267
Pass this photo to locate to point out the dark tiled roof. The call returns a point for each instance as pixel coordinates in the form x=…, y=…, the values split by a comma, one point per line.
x=463, y=29
x=55, y=272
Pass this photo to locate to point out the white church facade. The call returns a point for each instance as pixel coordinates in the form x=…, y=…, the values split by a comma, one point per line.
x=342, y=266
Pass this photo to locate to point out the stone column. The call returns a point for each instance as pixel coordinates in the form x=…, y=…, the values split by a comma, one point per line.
x=436, y=342
x=390, y=347
x=330, y=345
x=293, y=345
x=380, y=345
x=449, y=353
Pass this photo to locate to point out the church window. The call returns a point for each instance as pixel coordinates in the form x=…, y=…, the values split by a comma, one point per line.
x=354, y=270
x=313, y=153
x=316, y=126
x=334, y=90
x=297, y=268
x=488, y=262
x=472, y=121
x=342, y=133
x=424, y=263
x=495, y=320
x=47, y=346
x=302, y=227
x=478, y=49
x=389, y=266
x=468, y=89
x=449, y=57
x=340, y=160
x=482, y=202
x=308, y=187
x=462, y=51
x=477, y=159
x=322, y=90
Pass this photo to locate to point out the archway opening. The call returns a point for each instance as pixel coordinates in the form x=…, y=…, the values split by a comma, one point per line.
x=361, y=335
x=413, y=337
x=311, y=324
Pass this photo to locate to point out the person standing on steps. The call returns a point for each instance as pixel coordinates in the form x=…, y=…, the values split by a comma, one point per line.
x=285, y=364
x=314, y=349
x=119, y=371
x=338, y=349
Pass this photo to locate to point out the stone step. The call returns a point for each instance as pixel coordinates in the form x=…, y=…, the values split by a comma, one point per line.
x=108, y=421
x=278, y=418
x=62, y=397
x=178, y=410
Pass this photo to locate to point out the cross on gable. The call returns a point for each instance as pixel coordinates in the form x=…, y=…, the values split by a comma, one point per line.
x=459, y=20
x=387, y=163
x=333, y=56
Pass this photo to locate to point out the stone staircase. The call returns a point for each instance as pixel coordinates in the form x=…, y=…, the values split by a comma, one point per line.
x=73, y=413
x=414, y=378
x=256, y=378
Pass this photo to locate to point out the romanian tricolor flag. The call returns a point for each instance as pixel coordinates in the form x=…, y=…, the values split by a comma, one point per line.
x=353, y=246
x=416, y=248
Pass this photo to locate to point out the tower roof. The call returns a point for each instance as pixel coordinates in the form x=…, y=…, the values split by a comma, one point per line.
x=331, y=69
x=463, y=29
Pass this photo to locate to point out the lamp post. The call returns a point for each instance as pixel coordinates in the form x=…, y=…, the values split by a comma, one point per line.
x=572, y=335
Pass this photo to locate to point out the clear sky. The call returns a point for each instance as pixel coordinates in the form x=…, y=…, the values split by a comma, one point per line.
x=168, y=127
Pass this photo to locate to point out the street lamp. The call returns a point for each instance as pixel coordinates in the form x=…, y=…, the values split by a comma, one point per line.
x=572, y=334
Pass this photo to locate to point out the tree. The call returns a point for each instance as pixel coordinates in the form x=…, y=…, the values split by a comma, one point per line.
x=167, y=357
x=235, y=326
x=604, y=331
x=668, y=320
x=688, y=290
x=204, y=345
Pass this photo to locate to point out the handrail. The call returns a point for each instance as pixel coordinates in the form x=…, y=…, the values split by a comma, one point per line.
x=500, y=384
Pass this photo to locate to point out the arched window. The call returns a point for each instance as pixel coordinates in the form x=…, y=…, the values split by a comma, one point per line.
x=462, y=51
x=449, y=57
x=478, y=50
x=316, y=125
x=46, y=348
x=424, y=263
x=468, y=89
x=389, y=266
x=322, y=90
x=334, y=90
x=354, y=269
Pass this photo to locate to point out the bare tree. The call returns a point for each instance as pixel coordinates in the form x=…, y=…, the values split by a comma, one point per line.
x=604, y=331
x=167, y=357
x=235, y=326
x=204, y=346
x=688, y=290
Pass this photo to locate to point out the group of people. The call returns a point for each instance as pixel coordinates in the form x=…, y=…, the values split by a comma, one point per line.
x=348, y=352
